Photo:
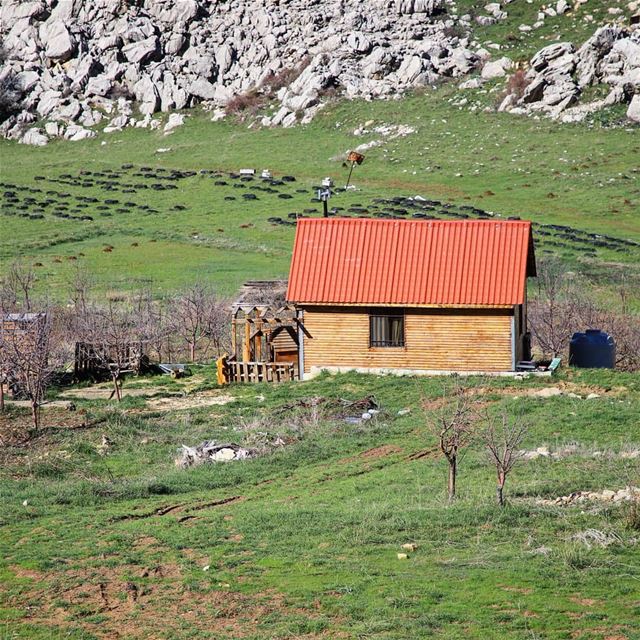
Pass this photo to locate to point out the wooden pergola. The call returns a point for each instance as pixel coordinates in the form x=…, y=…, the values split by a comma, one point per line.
x=265, y=334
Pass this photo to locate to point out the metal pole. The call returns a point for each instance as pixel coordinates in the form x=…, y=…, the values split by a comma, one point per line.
x=353, y=164
x=326, y=208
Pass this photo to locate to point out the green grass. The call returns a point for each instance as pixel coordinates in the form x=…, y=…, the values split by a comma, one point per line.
x=308, y=547
x=584, y=176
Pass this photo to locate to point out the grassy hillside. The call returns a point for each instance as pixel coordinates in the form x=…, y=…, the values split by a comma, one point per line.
x=303, y=542
x=581, y=176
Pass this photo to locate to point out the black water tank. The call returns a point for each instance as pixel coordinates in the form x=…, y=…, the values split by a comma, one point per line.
x=593, y=349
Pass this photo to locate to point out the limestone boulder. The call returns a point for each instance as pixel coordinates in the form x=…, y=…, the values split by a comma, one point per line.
x=633, y=112
x=496, y=68
x=34, y=137
x=58, y=42
x=142, y=50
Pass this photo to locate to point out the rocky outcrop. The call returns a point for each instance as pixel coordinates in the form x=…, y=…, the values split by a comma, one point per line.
x=81, y=62
x=559, y=73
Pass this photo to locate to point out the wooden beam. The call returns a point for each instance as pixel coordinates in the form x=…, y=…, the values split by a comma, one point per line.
x=246, y=350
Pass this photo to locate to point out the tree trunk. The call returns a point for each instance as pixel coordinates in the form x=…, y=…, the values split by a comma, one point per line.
x=453, y=463
x=500, y=488
x=116, y=387
x=35, y=415
x=1, y=394
x=192, y=351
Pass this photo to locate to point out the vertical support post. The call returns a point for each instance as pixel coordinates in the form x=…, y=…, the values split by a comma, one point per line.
x=513, y=341
x=300, y=317
x=234, y=335
x=246, y=350
x=257, y=345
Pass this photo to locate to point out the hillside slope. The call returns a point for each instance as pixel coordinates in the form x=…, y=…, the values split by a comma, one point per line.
x=108, y=541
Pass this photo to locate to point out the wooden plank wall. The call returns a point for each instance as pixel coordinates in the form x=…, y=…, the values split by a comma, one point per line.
x=435, y=339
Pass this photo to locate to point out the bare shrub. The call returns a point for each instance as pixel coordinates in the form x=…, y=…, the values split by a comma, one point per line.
x=517, y=83
x=284, y=78
x=454, y=426
x=631, y=514
x=246, y=104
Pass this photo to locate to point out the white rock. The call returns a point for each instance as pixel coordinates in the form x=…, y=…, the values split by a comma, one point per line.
x=58, y=43
x=175, y=120
x=202, y=88
x=26, y=80
x=52, y=129
x=138, y=52
x=99, y=85
x=496, y=68
x=35, y=137
x=75, y=132
x=633, y=112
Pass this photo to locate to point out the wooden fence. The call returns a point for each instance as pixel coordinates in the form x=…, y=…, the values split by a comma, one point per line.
x=261, y=371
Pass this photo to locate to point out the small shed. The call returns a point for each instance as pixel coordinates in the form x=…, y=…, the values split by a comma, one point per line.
x=409, y=296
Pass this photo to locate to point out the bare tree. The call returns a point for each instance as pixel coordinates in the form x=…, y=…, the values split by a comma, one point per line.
x=502, y=436
x=16, y=288
x=552, y=312
x=454, y=426
x=199, y=317
x=32, y=352
x=112, y=338
x=563, y=306
x=156, y=324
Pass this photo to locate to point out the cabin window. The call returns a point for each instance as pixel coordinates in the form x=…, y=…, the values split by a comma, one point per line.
x=386, y=328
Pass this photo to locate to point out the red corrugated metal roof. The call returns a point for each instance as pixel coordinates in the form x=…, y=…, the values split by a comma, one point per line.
x=410, y=262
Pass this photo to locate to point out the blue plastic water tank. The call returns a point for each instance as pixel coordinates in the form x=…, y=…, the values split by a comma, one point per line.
x=593, y=349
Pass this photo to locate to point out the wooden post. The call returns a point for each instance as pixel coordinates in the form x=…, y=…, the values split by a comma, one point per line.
x=234, y=336
x=257, y=346
x=246, y=351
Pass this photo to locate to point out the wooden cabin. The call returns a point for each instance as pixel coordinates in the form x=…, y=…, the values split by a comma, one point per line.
x=411, y=296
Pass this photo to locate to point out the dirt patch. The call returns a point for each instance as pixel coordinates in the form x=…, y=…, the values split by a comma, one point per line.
x=16, y=430
x=434, y=404
x=128, y=601
x=584, y=602
x=433, y=452
x=189, y=402
x=523, y=590
x=104, y=393
x=561, y=388
x=373, y=454
x=380, y=452
x=146, y=542
x=185, y=508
